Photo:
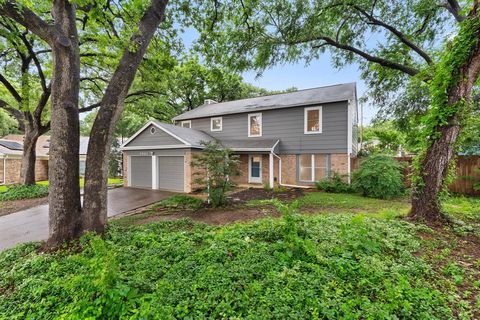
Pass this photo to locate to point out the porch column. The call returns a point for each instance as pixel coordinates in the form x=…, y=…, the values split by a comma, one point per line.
x=270, y=170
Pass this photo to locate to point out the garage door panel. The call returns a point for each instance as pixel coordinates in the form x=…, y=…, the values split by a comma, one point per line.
x=171, y=173
x=141, y=174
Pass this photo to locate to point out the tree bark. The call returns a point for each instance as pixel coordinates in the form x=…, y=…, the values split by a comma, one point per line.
x=96, y=173
x=435, y=165
x=64, y=189
x=27, y=171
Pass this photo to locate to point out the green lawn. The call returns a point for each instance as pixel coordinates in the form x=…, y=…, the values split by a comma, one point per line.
x=357, y=261
x=111, y=181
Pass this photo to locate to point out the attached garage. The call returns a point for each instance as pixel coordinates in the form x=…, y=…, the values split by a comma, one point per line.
x=158, y=156
x=142, y=169
x=171, y=173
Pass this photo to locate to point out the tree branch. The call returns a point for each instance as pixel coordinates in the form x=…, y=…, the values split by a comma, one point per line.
x=27, y=18
x=17, y=114
x=133, y=94
x=400, y=35
x=381, y=61
x=454, y=8
x=10, y=88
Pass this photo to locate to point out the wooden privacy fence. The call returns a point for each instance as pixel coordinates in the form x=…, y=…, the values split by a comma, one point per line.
x=468, y=173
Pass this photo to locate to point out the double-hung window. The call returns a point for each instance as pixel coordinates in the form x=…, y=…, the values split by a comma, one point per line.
x=312, y=167
x=255, y=125
x=216, y=124
x=313, y=120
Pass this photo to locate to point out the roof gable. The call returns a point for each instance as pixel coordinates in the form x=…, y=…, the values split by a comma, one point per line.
x=165, y=135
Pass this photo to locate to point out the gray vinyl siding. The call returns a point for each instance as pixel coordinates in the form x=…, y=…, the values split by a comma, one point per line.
x=288, y=125
x=141, y=174
x=157, y=139
x=171, y=173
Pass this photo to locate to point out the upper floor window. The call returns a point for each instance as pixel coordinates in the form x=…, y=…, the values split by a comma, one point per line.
x=255, y=125
x=216, y=124
x=186, y=124
x=313, y=120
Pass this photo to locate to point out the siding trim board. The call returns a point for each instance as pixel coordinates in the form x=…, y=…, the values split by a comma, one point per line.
x=148, y=124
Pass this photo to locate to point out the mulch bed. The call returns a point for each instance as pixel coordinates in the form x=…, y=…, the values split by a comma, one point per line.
x=262, y=194
x=7, y=207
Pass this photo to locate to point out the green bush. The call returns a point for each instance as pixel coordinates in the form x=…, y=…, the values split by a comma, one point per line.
x=181, y=201
x=318, y=267
x=334, y=184
x=18, y=192
x=379, y=177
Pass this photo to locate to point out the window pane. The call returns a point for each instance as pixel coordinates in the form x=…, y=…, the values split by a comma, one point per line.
x=255, y=167
x=320, y=167
x=313, y=120
x=305, y=167
x=255, y=125
x=186, y=124
x=216, y=124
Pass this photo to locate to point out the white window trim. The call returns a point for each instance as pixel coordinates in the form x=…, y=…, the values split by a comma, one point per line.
x=211, y=123
x=186, y=121
x=314, y=166
x=261, y=124
x=320, y=120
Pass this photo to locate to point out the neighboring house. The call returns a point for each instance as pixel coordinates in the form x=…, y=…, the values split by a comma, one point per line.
x=11, y=147
x=291, y=139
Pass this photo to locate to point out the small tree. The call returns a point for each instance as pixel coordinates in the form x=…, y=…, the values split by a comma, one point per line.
x=215, y=166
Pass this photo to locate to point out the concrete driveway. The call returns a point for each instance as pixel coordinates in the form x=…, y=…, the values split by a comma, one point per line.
x=32, y=224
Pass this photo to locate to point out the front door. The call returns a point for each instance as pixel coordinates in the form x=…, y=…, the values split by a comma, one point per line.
x=255, y=169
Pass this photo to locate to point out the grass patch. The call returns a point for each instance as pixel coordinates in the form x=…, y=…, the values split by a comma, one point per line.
x=328, y=267
x=325, y=202
x=464, y=208
x=180, y=201
x=19, y=192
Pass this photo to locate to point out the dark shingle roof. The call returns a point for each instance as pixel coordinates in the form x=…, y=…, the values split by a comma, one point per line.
x=334, y=93
x=191, y=136
x=257, y=144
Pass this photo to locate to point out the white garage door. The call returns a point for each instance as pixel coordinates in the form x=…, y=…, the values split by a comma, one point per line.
x=141, y=174
x=171, y=173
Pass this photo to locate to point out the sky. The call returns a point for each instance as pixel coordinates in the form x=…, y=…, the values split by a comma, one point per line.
x=316, y=74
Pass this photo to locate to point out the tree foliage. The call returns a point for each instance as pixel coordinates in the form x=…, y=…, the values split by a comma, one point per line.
x=215, y=166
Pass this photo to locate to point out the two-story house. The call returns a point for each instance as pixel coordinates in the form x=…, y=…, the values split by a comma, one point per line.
x=291, y=139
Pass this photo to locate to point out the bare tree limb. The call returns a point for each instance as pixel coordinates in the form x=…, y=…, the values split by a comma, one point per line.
x=17, y=114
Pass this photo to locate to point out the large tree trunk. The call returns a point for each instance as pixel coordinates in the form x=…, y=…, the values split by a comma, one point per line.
x=95, y=201
x=27, y=171
x=435, y=165
x=64, y=189
x=425, y=199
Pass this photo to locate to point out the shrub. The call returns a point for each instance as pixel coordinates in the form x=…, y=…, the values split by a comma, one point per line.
x=217, y=165
x=18, y=192
x=334, y=184
x=181, y=201
x=379, y=177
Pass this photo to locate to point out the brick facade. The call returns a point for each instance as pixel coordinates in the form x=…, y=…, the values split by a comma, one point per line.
x=13, y=167
x=339, y=163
